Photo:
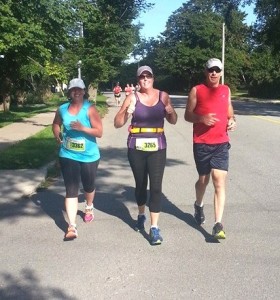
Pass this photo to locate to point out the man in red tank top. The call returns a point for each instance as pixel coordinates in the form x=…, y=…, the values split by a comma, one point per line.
x=117, y=93
x=210, y=110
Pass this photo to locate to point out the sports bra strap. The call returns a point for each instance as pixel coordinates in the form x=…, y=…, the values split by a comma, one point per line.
x=138, y=99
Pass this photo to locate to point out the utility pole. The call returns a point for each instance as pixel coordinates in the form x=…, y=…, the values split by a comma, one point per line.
x=79, y=64
x=223, y=54
x=81, y=35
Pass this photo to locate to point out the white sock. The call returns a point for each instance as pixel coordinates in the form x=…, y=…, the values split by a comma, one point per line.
x=200, y=205
x=89, y=206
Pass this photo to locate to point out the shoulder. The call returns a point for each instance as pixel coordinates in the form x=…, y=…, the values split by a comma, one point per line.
x=201, y=86
x=163, y=96
x=224, y=87
x=87, y=103
x=193, y=90
x=63, y=106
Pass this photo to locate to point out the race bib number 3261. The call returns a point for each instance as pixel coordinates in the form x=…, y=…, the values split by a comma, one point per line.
x=147, y=144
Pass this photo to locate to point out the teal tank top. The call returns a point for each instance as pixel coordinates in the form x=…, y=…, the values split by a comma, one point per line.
x=77, y=145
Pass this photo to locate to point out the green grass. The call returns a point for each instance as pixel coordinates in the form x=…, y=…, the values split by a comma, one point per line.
x=19, y=113
x=31, y=153
x=41, y=148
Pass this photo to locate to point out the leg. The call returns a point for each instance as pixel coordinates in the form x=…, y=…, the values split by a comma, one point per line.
x=219, y=182
x=156, y=166
x=219, y=165
x=89, y=197
x=200, y=188
x=71, y=206
x=88, y=176
x=137, y=160
x=202, y=160
x=71, y=171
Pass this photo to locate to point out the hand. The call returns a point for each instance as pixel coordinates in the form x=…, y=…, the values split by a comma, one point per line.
x=131, y=107
x=76, y=125
x=59, y=139
x=169, y=109
x=209, y=120
x=231, y=125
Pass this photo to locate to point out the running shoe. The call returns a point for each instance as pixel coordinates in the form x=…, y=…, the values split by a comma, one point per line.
x=155, y=237
x=88, y=216
x=71, y=233
x=140, y=223
x=199, y=214
x=218, y=231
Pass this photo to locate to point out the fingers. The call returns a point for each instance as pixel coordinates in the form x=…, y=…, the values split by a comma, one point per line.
x=169, y=109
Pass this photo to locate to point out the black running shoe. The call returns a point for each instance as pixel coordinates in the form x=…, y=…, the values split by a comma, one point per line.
x=199, y=214
x=218, y=231
x=140, y=223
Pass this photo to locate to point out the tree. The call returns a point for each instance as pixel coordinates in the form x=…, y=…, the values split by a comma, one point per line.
x=268, y=23
x=32, y=34
x=38, y=34
x=108, y=36
x=194, y=33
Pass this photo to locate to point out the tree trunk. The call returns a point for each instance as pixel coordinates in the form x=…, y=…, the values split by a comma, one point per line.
x=6, y=102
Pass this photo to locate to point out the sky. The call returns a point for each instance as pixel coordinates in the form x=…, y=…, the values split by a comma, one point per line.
x=155, y=19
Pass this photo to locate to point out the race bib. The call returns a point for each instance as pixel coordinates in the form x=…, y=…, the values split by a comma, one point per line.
x=149, y=144
x=75, y=145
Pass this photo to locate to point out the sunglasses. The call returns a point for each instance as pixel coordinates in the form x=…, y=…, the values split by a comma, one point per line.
x=148, y=76
x=214, y=69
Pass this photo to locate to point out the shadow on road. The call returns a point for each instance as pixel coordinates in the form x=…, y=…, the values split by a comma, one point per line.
x=27, y=286
x=170, y=208
x=255, y=108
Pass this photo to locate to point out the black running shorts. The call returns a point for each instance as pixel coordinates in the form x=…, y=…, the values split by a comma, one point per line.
x=209, y=157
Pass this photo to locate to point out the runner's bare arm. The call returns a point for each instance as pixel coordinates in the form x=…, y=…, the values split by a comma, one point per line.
x=56, y=126
x=123, y=114
x=171, y=115
x=231, y=117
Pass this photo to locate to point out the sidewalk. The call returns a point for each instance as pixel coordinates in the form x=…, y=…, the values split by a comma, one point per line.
x=15, y=184
x=19, y=131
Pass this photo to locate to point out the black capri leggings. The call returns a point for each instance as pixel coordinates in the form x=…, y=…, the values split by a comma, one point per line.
x=73, y=171
x=144, y=164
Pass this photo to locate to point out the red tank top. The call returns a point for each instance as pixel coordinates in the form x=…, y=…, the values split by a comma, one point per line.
x=211, y=100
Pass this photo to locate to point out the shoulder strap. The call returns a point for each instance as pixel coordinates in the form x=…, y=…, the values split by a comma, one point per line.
x=160, y=93
x=136, y=96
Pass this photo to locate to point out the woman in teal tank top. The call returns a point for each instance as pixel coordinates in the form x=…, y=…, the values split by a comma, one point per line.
x=76, y=126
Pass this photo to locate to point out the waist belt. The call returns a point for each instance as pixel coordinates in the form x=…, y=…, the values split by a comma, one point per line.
x=143, y=130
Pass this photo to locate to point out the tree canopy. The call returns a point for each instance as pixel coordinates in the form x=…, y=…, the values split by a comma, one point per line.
x=42, y=41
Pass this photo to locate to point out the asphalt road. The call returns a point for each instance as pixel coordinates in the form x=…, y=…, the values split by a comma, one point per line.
x=109, y=260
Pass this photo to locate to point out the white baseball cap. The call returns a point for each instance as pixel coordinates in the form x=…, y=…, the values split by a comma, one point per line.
x=214, y=62
x=76, y=82
x=143, y=69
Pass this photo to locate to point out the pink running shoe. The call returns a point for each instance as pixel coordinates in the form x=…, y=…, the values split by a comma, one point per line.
x=89, y=216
